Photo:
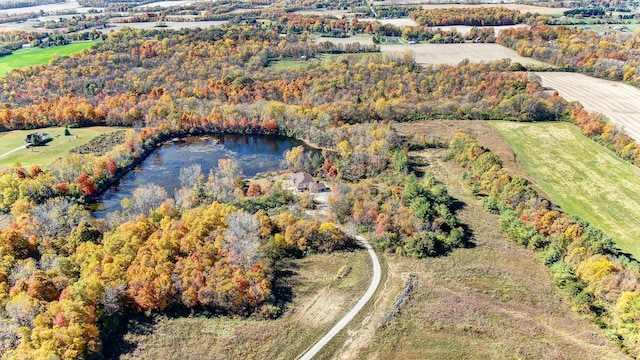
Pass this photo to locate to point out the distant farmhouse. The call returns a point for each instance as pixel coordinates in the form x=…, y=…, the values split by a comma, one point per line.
x=304, y=181
x=37, y=139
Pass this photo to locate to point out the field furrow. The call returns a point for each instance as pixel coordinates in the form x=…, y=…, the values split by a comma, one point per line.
x=619, y=102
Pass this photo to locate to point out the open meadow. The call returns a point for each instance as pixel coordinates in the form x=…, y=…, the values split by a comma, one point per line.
x=618, y=101
x=35, y=56
x=453, y=54
x=583, y=177
x=12, y=149
x=492, y=300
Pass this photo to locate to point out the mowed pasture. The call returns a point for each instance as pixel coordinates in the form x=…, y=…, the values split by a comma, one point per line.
x=35, y=56
x=453, y=54
x=618, y=101
x=12, y=143
x=583, y=177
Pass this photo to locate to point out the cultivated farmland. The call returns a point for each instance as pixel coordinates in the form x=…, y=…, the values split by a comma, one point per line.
x=584, y=178
x=618, y=101
x=455, y=53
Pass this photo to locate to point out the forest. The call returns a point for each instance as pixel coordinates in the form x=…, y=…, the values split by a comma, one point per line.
x=68, y=280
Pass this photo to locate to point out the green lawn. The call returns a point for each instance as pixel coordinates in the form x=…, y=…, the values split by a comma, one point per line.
x=584, y=178
x=44, y=155
x=35, y=56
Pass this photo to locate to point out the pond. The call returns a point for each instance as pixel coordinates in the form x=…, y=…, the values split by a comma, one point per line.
x=255, y=154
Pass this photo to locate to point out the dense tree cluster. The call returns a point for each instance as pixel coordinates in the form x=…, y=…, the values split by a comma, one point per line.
x=64, y=290
x=614, y=56
x=602, y=282
x=200, y=79
x=478, y=16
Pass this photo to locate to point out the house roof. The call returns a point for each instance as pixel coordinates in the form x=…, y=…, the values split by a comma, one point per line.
x=301, y=178
x=317, y=187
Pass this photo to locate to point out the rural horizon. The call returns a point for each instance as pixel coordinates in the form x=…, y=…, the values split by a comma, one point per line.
x=319, y=179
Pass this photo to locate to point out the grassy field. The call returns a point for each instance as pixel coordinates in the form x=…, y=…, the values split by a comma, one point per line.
x=44, y=155
x=323, y=287
x=493, y=300
x=581, y=176
x=35, y=56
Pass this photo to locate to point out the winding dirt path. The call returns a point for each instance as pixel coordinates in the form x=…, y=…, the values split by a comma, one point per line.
x=375, y=282
x=12, y=151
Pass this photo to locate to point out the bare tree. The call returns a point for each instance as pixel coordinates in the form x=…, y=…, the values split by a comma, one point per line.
x=58, y=216
x=242, y=239
x=190, y=175
x=148, y=197
x=9, y=335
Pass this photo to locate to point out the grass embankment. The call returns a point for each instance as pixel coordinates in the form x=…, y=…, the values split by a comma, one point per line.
x=45, y=155
x=584, y=178
x=35, y=56
x=323, y=287
x=494, y=300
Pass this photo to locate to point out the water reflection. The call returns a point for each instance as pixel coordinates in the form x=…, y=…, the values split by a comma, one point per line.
x=255, y=154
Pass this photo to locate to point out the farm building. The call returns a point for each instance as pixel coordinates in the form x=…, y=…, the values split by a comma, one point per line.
x=39, y=138
x=304, y=181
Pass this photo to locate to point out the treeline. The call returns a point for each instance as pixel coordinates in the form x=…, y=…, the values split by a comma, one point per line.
x=614, y=56
x=477, y=16
x=219, y=78
x=600, y=129
x=588, y=12
x=602, y=282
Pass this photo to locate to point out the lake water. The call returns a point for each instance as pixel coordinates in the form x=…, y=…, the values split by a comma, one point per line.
x=255, y=154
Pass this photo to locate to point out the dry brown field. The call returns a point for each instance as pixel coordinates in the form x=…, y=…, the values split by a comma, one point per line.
x=174, y=25
x=465, y=29
x=336, y=13
x=365, y=40
x=455, y=53
x=396, y=22
x=65, y=6
x=618, y=101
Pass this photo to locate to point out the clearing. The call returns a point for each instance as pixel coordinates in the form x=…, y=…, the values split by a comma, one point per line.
x=583, y=177
x=35, y=56
x=321, y=288
x=617, y=101
x=45, y=155
x=494, y=300
x=453, y=54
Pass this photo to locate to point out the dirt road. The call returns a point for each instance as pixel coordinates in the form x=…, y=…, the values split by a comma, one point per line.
x=375, y=281
x=12, y=151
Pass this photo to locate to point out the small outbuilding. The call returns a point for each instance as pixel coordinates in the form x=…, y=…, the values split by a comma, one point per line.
x=36, y=139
